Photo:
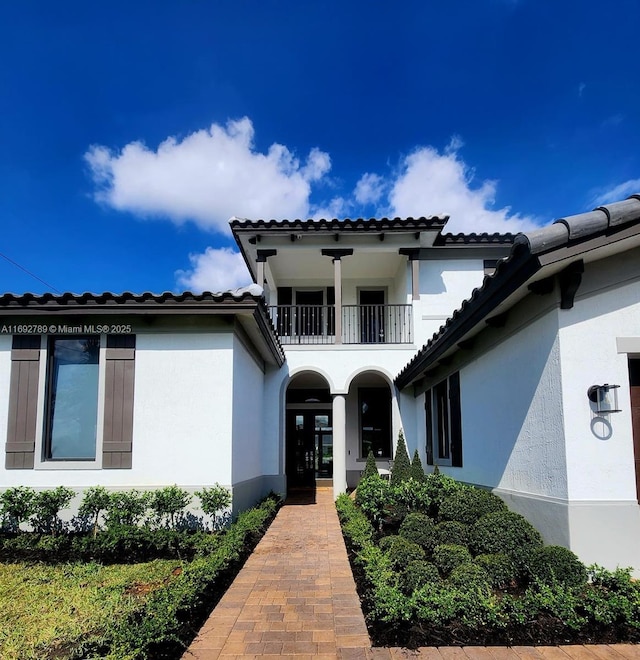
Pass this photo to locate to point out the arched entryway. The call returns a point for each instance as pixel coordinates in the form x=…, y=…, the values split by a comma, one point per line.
x=309, y=432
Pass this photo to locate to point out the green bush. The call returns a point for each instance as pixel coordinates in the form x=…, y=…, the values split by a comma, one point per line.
x=403, y=498
x=419, y=528
x=438, y=487
x=370, y=468
x=469, y=504
x=356, y=528
x=167, y=503
x=401, y=468
x=400, y=551
x=451, y=532
x=506, y=532
x=18, y=505
x=214, y=501
x=553, y=563
x=448, y=556
x=417, y=573
x=94, y=501
x=372, y=496
x=47, y=504
x=417, y=471
x=500, y=569
x=470, y=576
x=126, y=507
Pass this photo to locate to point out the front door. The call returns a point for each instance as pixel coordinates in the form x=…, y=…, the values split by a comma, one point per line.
x=372, y=317
x=309, y=447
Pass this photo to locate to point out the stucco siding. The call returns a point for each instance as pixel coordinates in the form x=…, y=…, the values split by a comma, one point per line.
x=512, y=420
x=248, y=430
x=600, y=449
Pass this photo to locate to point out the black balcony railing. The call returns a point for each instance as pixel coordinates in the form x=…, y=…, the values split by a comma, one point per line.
x=361, y=324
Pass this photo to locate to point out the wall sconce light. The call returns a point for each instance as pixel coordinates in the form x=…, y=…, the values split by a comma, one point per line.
x=605, y=397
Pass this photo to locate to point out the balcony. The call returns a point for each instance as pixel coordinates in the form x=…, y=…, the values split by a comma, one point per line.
x=361, y=324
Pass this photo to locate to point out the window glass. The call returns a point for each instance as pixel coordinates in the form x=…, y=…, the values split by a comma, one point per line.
x=73, y=398
x=375, y=422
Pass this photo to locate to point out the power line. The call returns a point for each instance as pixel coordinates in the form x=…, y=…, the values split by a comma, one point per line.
x=28, y=272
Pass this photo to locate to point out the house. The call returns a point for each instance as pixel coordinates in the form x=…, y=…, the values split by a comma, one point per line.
x=289, y=383
x=532, y=387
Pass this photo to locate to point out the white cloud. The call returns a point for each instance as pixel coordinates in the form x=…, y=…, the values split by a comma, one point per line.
x=217, y=269
x=207, y=177
x=369, y=189
x=432, y=183
x=617, y=193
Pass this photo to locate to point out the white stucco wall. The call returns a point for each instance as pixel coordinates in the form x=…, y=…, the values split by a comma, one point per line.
x=444, y=284
x=182, y=417
x=248, y=431
x=512, y=419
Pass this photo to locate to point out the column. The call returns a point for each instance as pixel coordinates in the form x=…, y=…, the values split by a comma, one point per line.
x=337, y=283
x=339, y=444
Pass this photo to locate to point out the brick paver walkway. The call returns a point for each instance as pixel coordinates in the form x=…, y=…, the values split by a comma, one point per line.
x=295, y=597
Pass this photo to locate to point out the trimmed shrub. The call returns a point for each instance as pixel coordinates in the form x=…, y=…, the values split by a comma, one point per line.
x=469, y=504
x=417, y=573
x=403, y=498
x=126, y=507
x=214, y=501
x=471, y=577
x=438, y=487
x=94, y=502
x=47, y=504
x=451, y=532
x=500, y=569
x=553, y=563
x=167, y=503
x=417, y=471
x=372, y=495
x=401, y=469
x=356, y=528
x=370, y=469
x=400, y=551
x=419, y=528
x=448, y=556
x=18, y=504
x=506, y=532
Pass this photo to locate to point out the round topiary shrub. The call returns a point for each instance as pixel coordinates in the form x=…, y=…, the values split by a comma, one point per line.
x=418, y=573
x=500, y=569
x=506, y=532
x=419, y=528
x=438, y=487
x=553, y=563
x=451, y=532
x=400, y=551
x=470, y=577
x=448, y=556
x=469, y=505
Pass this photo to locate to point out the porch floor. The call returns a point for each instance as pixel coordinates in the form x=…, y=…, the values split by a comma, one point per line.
x=295, y=597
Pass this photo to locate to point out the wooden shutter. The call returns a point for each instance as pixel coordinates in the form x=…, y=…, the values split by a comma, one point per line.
x=456, y=420
x=23, y=402
x=429, y=423
x=118, y=402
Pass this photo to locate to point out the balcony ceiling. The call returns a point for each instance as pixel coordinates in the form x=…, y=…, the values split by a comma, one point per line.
x=297, y=264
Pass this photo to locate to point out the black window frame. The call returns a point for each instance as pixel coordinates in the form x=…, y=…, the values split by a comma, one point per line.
x=381, y=398
x=443, y=421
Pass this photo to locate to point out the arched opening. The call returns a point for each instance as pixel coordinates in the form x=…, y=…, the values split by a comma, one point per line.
x=309, y=432
x=369, y=423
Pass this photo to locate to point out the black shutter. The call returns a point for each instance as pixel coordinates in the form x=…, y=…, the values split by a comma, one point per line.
x=429, y=424
x=456, y=420
x=118, y=402
x=23, y=402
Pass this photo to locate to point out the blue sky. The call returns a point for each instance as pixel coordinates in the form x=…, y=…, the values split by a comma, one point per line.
x=130, y=132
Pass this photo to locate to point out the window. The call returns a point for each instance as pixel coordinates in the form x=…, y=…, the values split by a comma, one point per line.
x=443, y=423
x=72, y=398
x=87, y=390
x=375, y=421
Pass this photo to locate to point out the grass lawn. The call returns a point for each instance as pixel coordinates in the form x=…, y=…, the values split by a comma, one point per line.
x=53, y=611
